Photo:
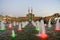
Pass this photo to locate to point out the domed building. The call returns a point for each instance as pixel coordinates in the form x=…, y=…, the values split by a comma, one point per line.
x=30, y=15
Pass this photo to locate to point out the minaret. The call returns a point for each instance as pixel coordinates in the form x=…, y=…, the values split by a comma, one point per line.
x=30, y=14
x=30, y=10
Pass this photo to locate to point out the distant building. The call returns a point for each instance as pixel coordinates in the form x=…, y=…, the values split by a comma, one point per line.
x=30, y=16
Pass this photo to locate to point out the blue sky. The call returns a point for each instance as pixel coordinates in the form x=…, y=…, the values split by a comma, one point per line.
x=20, y=7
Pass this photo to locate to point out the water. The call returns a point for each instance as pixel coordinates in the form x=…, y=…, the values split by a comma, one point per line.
x=14, y=23
x=42, y=33
x=2, y=27
x=42, y=26
x=10, y=26
x=37, y=25
x=19, y=27
x=57, y=25
x=17, y=23
x=49, y=24
x=34, y=23
x=24, y=24
x=13, y=35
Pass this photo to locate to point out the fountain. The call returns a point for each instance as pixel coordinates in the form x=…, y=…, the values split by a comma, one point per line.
x=22, y=24
x=36, y=24
x=10, y=26
x=19, y=27
x=57, y=25
x=17, y=23
x=2, y=26
x=13, y=35
x=26, y=23
x=33, y=23
x=49, y=24
x=14, y=23
x=42, y=33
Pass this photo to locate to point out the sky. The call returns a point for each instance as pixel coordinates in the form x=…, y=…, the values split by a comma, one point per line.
x=20, y=7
